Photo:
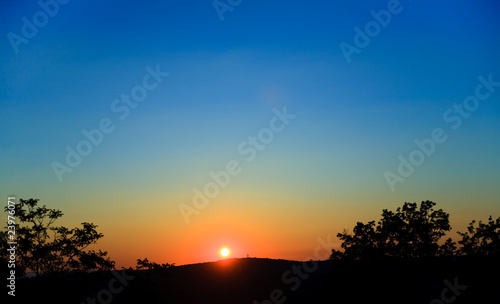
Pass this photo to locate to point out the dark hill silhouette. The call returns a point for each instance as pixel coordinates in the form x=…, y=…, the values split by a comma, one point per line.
x=226, y=281
x=387, y=280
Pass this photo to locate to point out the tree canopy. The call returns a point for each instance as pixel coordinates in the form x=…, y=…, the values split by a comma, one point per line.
x=46, y=249
x=415, y=231
x=481, y=240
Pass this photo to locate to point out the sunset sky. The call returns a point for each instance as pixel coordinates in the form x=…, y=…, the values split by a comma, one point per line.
x=351, y=115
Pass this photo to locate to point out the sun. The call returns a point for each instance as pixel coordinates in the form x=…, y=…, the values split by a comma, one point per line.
x=224, y=252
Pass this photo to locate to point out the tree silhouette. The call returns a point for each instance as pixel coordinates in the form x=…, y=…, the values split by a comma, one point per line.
x=449, y=248
x=45, y=249
x=481, y=240
x=411, y=231
x=363, y=243
x=146, y=264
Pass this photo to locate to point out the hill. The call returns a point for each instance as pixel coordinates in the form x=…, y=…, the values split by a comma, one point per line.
x=252, y=280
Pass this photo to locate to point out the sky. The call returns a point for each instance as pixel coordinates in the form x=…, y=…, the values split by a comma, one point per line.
x=293, y=119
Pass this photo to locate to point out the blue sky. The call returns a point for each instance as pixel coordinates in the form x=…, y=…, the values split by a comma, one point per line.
x=226, y=77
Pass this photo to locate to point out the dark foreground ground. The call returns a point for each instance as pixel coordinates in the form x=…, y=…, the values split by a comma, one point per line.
x=436, y=281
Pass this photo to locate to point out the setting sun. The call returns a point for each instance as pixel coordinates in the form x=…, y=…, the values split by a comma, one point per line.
x=224, y=252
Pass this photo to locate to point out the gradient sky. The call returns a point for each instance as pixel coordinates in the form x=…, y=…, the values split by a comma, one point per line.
x=320, y=175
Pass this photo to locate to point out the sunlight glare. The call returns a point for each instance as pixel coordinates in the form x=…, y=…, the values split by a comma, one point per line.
x=224, y=252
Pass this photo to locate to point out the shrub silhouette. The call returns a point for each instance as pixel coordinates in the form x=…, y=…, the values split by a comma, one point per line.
x=146, y=264
x=45, y=249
